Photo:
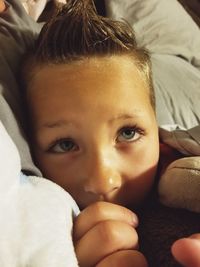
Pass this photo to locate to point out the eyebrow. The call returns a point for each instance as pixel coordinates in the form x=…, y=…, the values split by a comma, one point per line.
x=64, y=123
x=126, y=116
x=56, y=124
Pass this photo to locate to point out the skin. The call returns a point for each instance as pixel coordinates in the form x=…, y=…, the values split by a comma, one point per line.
x=102, y=143
x=103, y=223
x=186, y=251
x=2, y=6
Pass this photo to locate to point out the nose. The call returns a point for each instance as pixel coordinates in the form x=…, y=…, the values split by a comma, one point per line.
x=103, y=176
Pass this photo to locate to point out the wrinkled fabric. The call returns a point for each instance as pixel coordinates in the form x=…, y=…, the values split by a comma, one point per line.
x=185, y=141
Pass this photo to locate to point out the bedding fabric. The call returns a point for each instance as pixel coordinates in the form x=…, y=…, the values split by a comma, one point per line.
x=177, y=91
x=17, y=32
x=36, y=216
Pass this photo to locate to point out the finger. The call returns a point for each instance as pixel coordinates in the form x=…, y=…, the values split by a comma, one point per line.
x=187, y=251
x=125, y=258
x=101, y=211
x=104, y=239
x=2, y=6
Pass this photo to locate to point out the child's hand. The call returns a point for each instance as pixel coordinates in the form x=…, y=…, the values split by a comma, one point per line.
x=2, y=5
x=104, y=235
x=125, y=258
x=187, y=251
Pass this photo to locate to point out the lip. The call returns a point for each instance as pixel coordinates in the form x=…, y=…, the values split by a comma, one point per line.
x=91, y=198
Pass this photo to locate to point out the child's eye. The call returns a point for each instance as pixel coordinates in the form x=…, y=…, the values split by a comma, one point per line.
x=128, y=134
x=63, y=146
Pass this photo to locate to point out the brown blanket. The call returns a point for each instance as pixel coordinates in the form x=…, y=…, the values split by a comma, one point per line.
x=159, y=227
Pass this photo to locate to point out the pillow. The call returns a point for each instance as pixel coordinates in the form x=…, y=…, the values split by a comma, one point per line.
x=34, y=8
x=163, y=27
x=17, y=31
x=177, y=91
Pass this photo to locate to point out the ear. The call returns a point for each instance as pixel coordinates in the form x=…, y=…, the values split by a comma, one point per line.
x=179, y=185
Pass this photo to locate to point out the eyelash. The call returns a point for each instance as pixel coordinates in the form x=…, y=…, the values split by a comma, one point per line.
x=59, y=141
x=134, y=129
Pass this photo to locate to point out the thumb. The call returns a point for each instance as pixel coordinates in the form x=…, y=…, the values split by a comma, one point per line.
x=2, y=6
x=187, y=251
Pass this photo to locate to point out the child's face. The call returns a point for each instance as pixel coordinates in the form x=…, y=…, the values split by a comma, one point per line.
x=95, y=132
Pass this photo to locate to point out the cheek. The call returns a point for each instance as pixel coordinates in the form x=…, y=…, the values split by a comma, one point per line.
x=138, y=183
x=143, y=169
x=66, y=176
x=139, y=174
x=142, y=162
x=57, y=171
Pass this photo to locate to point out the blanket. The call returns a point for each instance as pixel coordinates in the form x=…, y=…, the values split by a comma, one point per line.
x=159, y=227
x=36, y=216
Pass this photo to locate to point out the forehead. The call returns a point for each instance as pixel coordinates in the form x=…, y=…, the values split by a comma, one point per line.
x=111, y=82
x=109, y=71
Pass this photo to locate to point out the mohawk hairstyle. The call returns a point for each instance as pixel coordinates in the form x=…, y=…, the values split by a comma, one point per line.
x=76, y=32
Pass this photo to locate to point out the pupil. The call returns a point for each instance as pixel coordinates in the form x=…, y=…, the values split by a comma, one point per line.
x=128, y=133
x=66, y=145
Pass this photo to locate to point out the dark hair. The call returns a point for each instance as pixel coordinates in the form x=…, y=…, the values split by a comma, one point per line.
x=76, y=31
